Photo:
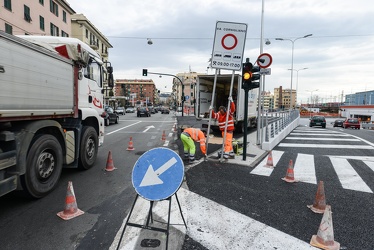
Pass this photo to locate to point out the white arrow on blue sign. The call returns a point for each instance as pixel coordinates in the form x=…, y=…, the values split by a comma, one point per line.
x=158, y=174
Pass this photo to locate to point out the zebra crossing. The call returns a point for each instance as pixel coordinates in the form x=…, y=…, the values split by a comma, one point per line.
x=304, y=164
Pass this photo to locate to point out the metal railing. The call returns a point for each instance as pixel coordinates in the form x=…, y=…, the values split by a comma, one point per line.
x=276, y=122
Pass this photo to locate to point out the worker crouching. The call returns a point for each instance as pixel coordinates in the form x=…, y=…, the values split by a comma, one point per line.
x=189, y=136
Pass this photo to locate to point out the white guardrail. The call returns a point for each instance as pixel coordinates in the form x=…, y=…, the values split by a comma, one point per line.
x=278, y=126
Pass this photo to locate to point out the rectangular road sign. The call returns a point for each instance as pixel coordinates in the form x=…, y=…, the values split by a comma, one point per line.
x=265, y=71
x=228, y=45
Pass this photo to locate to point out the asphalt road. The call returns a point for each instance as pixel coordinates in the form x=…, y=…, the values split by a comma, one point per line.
x=227, y=206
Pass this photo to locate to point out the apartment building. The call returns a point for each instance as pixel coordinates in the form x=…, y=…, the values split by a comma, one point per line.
x=135, y=91
x=37, y=17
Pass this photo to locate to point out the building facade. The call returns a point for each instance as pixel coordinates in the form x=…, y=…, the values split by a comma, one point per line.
x=282, y=98
x=37, y=17
x=135, y=92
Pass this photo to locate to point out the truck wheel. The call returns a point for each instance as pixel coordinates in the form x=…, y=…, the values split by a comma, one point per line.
x=88, y=148
x=44, y=164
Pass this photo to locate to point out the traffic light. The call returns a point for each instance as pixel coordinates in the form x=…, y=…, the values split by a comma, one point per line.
x=250, y=76
x=255, y=80
x=145, y=72
x=246, y=75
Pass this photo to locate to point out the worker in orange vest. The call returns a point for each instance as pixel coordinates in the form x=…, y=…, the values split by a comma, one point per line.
x=228, y=150
x=189, y=136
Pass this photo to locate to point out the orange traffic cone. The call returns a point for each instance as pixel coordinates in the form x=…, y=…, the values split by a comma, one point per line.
x=269, y=163
x=109, y=163
x=289, y=175
x=325, y=235
x=163, y=136
x=71, y=209
x=319, y=204
x=130, y=147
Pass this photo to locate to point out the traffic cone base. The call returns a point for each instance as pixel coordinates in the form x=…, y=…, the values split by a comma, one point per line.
x=71, y=209
x=289, y=174
x=269, y=162
x=130, y=147
x=314, y=242
x=163, y=136
x=325, y=235
x=109, y=163
x=319, y=204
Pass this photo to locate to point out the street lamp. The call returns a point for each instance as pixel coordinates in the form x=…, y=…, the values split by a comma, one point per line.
x=293, y=46
x=297, y=80
x=311, y=94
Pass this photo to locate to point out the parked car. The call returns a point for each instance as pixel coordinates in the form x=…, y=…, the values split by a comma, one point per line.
x=110, y=116
x=352, y=123
x=143, y=111
x=317, y=120
x=120, y=110
x=130, y=110
x=338, y=123
x=165, y=110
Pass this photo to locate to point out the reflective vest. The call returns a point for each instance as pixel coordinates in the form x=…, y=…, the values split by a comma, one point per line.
x=222, y=118
x=198, y=136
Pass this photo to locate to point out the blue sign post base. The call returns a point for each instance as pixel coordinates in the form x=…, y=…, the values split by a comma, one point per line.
x=150, y=220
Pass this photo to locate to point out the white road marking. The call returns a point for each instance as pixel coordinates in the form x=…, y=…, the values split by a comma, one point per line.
x=304, y=169
x=212, y=225
x=296, y=145
x=265, y=171
x=319, y=139
x=348, y=177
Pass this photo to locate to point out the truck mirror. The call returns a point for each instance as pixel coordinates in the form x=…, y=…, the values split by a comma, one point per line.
x=110, y=80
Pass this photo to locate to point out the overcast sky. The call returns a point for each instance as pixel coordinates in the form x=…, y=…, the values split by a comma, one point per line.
x=339, y=56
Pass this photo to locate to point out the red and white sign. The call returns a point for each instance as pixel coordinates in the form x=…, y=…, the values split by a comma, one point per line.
x=264, y=60
x=228, y=45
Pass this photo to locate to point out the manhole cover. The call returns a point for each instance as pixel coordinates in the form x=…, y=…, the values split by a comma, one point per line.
x=150, y=243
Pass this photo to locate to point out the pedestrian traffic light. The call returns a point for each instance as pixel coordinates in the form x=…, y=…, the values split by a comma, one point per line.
x=145, y=72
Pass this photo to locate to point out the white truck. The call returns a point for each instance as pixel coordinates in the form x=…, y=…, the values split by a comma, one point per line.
x=204, y=89
x=51, y=108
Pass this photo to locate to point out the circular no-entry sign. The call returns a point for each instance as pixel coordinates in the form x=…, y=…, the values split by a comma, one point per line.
x=264, y=60
x=225, y=41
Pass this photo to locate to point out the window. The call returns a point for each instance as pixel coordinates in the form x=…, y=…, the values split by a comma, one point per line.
x=41, y=23
x=93, y=71
x=64, y=16
x=8, y=4
x=86, y=33
x=41, y=2
x=54, y=30
x=53, y=7
x=8, y=29
x=64, y=34
x=26, y=11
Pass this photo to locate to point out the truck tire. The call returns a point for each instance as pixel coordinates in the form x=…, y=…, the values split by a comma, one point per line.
x=88, y=148
x=44, y=164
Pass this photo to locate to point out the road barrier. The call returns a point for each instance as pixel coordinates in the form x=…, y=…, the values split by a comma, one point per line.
x=278, y=126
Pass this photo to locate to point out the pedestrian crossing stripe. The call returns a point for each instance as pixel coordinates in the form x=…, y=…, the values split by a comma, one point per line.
x=304, y=169
x=320, y=139
x=307, y=134
x=296, y=145
x=348, y=177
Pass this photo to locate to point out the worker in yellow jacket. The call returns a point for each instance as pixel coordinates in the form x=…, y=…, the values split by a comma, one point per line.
x=189, y=136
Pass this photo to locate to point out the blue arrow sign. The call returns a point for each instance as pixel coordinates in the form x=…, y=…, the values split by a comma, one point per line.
x=158, y=174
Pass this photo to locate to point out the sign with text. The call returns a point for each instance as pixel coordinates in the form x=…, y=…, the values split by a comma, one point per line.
x=228, y=45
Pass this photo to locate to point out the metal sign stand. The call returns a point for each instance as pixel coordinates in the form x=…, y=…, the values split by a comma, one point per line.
x=150, y=219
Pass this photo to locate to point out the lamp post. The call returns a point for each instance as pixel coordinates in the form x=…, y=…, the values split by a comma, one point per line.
x=311, y=94
x=293, y=46
x=297, y=80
